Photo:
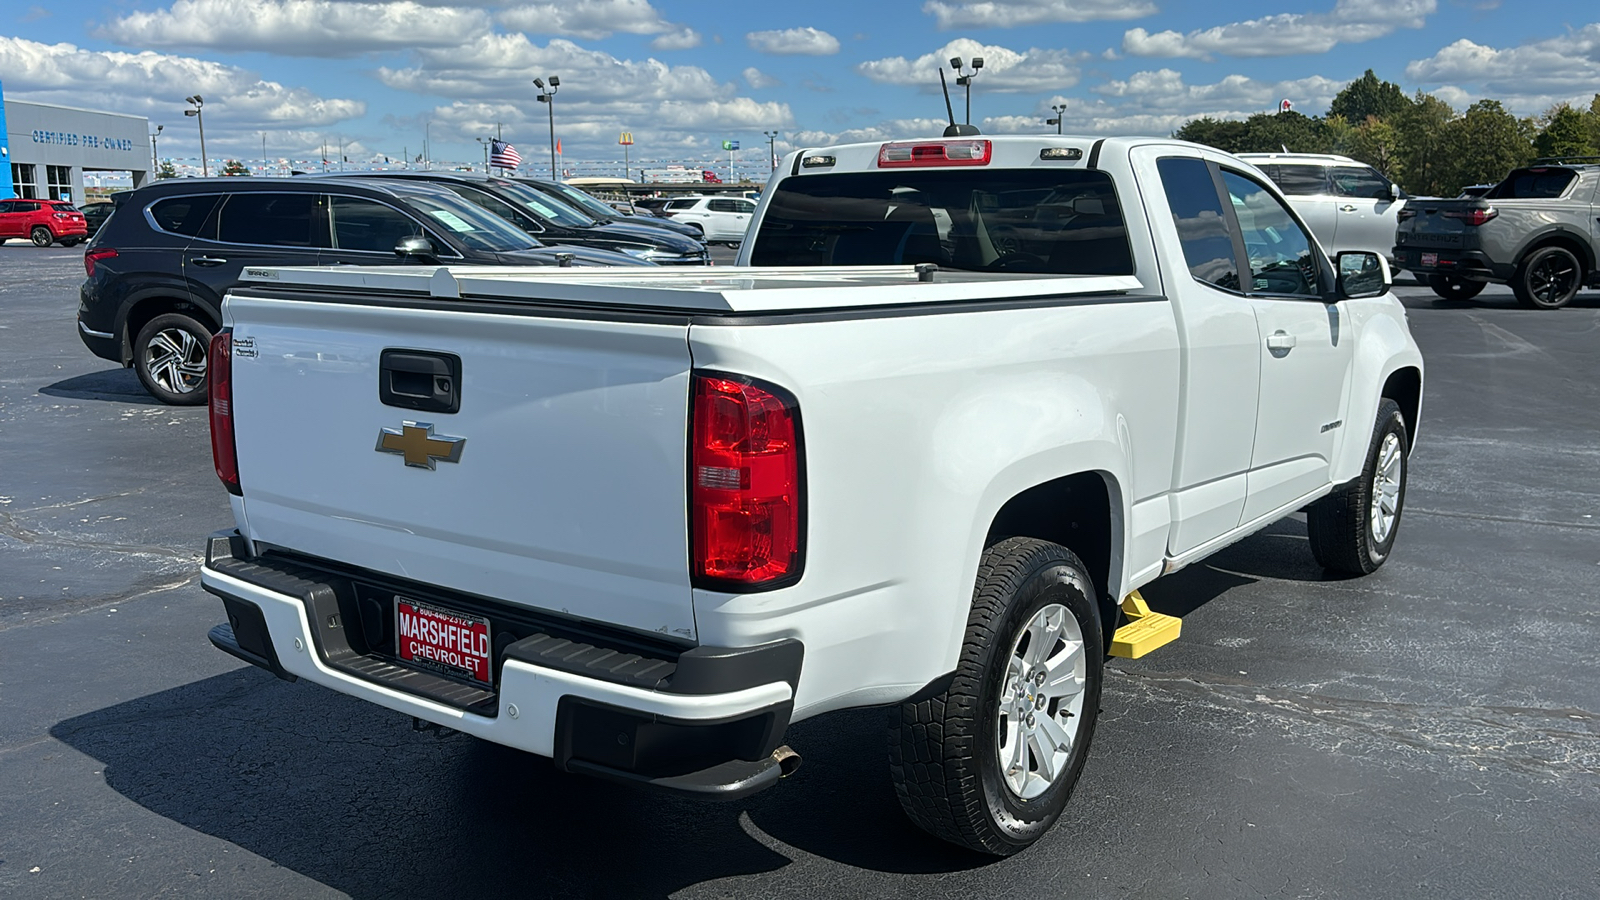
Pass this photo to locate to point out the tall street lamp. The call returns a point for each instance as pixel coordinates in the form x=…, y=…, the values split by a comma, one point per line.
x=549, y=99
x=772, y=148
x=197, y=101
x=155, y=154
x=1058, y=108
x=485, y=143
x=966, y=80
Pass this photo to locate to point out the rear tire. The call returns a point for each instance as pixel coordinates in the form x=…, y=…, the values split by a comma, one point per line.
x=1548, y=279
x=42, y=236
x=1450, y=287
x=169, y=355
x=989, y=762
x=1352, y=530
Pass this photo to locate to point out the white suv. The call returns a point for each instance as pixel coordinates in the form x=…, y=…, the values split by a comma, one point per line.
x=724, y=219
x=1347, y=204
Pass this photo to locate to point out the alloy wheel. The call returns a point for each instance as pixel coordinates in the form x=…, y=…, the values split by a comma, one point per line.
x=1041, y=702
x=1384, y=506
x=176, y=360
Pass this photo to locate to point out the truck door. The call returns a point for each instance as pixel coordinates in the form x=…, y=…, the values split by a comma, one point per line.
x=1304, y=350
x=1221, y=368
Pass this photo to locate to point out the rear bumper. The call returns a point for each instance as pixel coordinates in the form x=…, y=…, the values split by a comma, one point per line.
x=706, y=722
x=1473, y=265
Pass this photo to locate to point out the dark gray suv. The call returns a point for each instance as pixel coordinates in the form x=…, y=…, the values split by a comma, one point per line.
x=160, y=266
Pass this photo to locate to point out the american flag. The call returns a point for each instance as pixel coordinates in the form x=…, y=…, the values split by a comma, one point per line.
x=503, y=155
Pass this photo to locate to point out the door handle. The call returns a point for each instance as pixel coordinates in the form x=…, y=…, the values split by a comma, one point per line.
x=207, y=261
x=1347, y=208
x=1280, y=340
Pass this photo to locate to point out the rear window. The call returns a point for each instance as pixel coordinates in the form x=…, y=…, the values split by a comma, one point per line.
x=1042, y=222
x=183, y=215
x=1533, y=184
x=682, y=204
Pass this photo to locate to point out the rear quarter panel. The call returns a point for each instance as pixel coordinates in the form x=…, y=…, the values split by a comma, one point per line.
x=917, y=430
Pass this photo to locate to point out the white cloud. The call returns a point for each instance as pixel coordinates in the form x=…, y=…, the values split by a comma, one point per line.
x=683, y=39
x=758, y=79
x=664, y=105
x=794, y=42
x=1004, y=70
x=154, y=84
x=1285, y=34
x=1164, y=91
x=590, y=19
x=1012, y=13
x=297, y=27
x=1566, y=67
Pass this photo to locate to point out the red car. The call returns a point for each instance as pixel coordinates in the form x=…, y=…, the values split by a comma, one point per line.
x=44, y=221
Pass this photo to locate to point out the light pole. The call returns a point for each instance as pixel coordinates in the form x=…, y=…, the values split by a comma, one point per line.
x=485, y=154
x=263, y=154
x=155, y=154
x=966, y=80
x=427, y=134
x=772, y=148
x=197, y=101
x=549, y=99
x=1058, y=109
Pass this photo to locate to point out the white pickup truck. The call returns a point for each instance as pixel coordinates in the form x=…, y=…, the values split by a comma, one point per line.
x=961, y=399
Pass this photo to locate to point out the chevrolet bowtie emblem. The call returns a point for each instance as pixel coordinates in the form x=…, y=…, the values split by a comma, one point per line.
x=419, y=445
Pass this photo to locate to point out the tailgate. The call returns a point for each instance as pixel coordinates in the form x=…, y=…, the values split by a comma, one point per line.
x=569, y=491
x=1438, y=224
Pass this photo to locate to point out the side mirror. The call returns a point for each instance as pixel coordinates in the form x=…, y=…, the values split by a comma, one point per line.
x=1362, y=274
x=417, y=247
x=1395, y=193
x=1088, y=206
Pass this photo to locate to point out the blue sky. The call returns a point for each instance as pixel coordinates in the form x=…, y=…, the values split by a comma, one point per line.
x=684, y=76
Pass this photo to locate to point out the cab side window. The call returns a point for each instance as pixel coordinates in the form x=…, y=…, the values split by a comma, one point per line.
x=724, y=206
x=1281, y=257
x=1300, y=180
x=275, y=220
x=1202, y=223
x=1360, y=181
x=362, y=224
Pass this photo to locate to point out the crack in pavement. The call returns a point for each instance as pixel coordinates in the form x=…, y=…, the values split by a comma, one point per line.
x=129, y=597
x=1592, y=526
x=1545, y=742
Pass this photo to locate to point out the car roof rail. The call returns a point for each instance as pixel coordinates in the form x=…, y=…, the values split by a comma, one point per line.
x=1566, y=161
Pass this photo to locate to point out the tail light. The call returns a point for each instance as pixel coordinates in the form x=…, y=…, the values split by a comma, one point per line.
x=1476, y=216
x=746, y=498
x=935, y=153
x=219, y=380
x=94, y=256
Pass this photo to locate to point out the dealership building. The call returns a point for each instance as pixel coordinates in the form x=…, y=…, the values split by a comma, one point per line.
x=50, y=147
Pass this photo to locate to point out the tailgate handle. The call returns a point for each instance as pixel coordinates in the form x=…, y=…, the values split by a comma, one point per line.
x=421, y=380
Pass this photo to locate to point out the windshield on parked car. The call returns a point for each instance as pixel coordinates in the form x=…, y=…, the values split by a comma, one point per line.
x=545, y=206
x=469, y=224
x=583, y=201
x=1047, y=222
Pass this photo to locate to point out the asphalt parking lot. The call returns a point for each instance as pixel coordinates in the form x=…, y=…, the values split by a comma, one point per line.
x=1430, y=731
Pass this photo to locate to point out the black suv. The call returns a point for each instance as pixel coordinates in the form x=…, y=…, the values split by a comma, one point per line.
x=554, y=221
x=160, y=266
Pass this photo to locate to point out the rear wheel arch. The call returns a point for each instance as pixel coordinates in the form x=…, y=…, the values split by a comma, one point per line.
x=142, y=309
x=1575, y=244
x=1082, y=512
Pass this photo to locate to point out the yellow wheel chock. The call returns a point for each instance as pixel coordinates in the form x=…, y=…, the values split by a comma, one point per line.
x=1145, y=631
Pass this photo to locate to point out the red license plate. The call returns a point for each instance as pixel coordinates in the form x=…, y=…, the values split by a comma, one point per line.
x=448, y=642
x=1430, y=259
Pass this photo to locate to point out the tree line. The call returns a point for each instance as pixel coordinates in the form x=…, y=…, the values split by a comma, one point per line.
x=1421, y=142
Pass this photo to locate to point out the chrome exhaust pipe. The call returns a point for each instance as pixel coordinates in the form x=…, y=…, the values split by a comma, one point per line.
x=788, y=761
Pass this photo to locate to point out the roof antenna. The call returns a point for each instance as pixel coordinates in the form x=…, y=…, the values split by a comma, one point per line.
x=953, y=129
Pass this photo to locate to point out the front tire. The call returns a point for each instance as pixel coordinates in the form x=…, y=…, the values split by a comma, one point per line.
x=1548, y=279
x=42, y=236
x=169, y=355
x=1352, y=530
x=990, y=762
x=1449, y=287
